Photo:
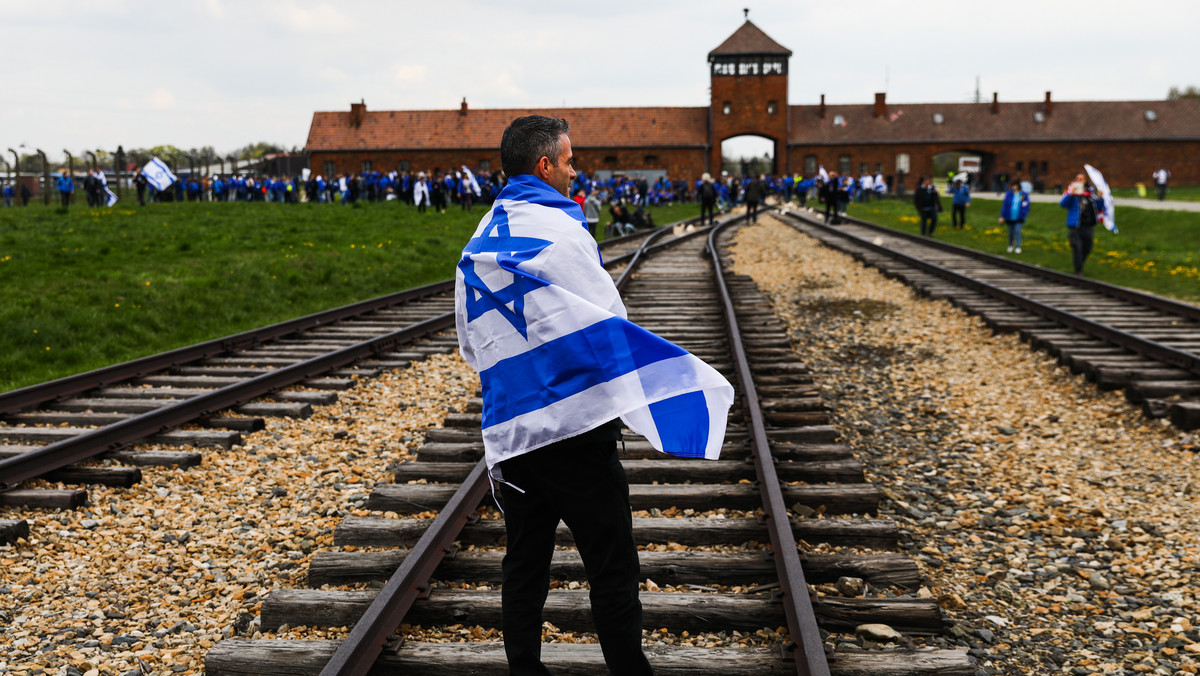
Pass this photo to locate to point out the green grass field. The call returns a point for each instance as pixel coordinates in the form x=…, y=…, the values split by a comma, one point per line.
x=1155, y=251
x=92, y=287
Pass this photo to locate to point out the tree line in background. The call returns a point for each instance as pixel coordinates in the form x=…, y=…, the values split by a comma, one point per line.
x=1190, y=92
x=32, y=162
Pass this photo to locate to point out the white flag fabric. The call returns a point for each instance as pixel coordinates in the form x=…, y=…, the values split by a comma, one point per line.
x=110, y=198
x=158, y=174
x=470, y=179
x=823, y=174
x=1109, y=215
x=543, y=323
x=420, y=192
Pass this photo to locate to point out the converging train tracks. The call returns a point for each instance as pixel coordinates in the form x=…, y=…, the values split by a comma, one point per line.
x=1119, y=338
x=729, y=547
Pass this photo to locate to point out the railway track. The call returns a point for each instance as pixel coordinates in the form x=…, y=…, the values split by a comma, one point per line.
x=704, y=528
x=208, y=395
x=1119, y=338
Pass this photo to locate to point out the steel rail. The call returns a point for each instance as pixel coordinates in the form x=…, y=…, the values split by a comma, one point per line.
x=27, y=397
x=805, y=636
x=1154, y=350
x=357, y=653
x=53, y=456
x=1119, y=292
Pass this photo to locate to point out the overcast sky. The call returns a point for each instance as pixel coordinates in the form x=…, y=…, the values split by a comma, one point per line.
x=93, y=74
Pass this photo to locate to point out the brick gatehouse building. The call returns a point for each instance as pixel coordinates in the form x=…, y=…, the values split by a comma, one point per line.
x=1046, y=141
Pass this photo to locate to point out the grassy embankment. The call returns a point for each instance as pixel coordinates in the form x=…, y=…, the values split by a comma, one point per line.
x=93, y=287
x=1155, y=251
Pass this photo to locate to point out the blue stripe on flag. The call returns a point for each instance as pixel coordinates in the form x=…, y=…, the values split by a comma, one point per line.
x=569, y=365
x=529, y=188
x=682, y=424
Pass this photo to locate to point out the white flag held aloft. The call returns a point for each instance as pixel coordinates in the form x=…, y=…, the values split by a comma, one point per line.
x=110, y=198
x=1109, y=216
x=823, y=174
x=158, y=174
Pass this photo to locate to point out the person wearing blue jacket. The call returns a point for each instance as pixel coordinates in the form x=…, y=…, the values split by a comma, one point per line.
x=66, y=187
x=9, y=194
x=1084, y=207
x=958, y=209
x=1013, y=212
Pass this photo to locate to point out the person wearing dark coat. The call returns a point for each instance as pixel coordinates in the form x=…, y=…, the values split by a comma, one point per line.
x=829, y=195
x=928, y=204
x=755, y=191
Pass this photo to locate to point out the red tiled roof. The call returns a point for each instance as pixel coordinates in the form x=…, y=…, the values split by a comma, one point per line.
x=482, y=128
x=1067, y=121
x=749, y=39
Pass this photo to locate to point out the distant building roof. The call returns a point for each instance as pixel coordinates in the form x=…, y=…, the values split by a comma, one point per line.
x=967, y=122
x=747, y=40
x=482, y=128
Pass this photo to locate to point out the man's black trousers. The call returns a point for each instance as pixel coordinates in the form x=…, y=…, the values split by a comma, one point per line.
x=1081, y=239
x=584, y=485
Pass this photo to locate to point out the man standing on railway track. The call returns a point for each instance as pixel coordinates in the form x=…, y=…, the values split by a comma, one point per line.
x=561, y=367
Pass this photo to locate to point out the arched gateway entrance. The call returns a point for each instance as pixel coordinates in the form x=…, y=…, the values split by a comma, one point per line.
x=748, y=155
x=749, y=98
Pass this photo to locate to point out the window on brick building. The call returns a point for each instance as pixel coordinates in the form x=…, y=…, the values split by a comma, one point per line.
x=902, y=163
x=726, y=108
x=879, y=167
x=862, y=168
x=485, y=166
x=330, y=169
x=844, y=165
x=772, y=107
x=650, y=159
x=810, y=165
x=610, y=159
x=367, y=165
x=1045, y=167
x=1020, y=166
x=404, y=166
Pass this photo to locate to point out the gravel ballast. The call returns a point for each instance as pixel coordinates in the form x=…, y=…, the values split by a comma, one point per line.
x=1057, y=525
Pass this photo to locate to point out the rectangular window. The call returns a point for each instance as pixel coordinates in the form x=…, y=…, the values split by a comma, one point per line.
x=844, y=165
x=404, y=166
x=862, y=168
x=810, y=165
x=330, y=169
x=366, y=166
x=879, y=167
x=902, y=163
x=750, y=68
x=1020, y=166
x=1045, y=168
x=485, y=166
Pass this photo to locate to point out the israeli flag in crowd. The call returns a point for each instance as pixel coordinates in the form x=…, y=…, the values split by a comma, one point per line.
x=158, y=174
x=1109, y=216
x=822, y=173
x=543, y=323
x=110, y=197
x=470, y=180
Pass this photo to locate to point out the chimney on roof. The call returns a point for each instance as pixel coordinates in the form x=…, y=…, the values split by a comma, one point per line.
x=358, y=112
x=821, y=111
x=462, y=109
x=995, y=103
x=1048, y=105
x=880, y=104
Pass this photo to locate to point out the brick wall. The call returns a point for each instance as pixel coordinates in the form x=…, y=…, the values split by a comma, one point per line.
x=748, y=97
x=1123, y=163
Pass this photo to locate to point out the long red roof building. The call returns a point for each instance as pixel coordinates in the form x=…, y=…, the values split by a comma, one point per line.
x=1041, y=140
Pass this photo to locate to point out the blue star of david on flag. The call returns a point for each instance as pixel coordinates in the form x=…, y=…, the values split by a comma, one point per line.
x=510, y=252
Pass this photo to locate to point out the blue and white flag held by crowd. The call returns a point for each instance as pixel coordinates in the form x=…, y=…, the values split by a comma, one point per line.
x=543, y=323
x=158, y=174
x=823, y=174
x=1109, y=215
x=109, y=197
x=469, y=180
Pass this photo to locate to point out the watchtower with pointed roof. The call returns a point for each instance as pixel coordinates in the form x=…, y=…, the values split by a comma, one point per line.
x=749, y=85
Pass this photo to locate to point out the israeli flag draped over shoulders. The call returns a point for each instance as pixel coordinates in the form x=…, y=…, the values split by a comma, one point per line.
x=158, y=174
x=543, y=323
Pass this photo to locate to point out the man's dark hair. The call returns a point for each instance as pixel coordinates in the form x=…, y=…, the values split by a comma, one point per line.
x=529, y=139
